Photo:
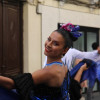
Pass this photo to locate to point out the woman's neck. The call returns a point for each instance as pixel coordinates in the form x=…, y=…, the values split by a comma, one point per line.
x=50, y=60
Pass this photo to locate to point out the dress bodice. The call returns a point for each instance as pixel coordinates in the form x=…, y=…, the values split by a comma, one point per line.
x=43, y=92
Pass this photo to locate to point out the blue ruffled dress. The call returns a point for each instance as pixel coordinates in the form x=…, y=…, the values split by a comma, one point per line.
x=88, y=74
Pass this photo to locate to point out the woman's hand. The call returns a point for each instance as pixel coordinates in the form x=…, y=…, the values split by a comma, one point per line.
x=84, y=67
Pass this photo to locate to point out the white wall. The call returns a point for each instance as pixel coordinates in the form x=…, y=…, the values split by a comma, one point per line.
x=31, y=38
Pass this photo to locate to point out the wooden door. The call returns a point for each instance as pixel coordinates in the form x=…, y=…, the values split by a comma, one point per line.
x=11, y=38
x=0, y=37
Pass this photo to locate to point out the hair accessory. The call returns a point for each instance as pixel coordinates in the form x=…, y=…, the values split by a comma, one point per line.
x=72, y=29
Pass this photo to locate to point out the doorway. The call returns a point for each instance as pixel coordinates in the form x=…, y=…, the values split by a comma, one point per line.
x=11, y=37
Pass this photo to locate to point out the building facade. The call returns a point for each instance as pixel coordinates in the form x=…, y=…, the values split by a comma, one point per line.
x=40, y=17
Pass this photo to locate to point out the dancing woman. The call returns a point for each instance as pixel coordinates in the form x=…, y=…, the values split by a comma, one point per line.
x=48, y=83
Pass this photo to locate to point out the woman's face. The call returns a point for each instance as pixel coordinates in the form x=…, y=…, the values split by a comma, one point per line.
x=54, y=45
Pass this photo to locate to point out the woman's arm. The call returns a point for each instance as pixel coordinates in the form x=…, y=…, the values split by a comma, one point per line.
x=80, y=71
x=75, y=88
x=6, y=82
x=51, y=76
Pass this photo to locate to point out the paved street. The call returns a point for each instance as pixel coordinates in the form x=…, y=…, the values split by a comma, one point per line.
x=96, y=96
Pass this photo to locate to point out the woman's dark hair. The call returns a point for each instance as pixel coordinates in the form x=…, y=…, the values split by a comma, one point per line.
x=67, y=36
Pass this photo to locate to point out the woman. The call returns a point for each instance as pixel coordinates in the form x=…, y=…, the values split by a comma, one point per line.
x=47, y=83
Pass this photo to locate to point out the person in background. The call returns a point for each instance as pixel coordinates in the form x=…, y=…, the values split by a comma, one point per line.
x=73, y=56
x=49, y=82
x=95, y=46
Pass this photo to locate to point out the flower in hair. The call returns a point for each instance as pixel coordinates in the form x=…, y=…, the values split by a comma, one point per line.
x=72, y=29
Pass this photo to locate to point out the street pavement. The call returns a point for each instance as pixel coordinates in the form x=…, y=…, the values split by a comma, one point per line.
x=96, y=96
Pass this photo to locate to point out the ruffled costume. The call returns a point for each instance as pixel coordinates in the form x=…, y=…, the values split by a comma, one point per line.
x=26, y=90
x=98, y=71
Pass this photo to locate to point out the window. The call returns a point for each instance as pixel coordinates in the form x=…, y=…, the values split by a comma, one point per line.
x=89, y=36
